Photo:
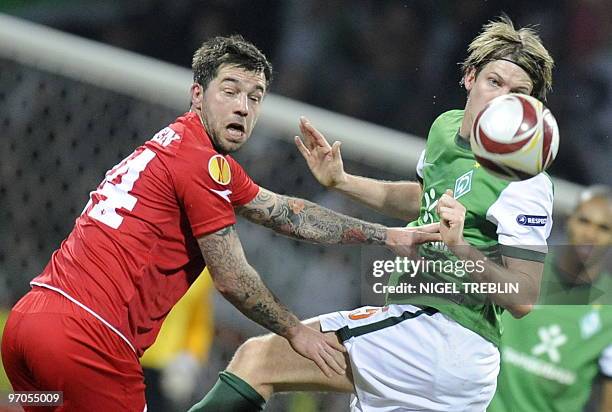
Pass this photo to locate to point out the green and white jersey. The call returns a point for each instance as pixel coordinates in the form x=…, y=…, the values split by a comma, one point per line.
x=502, y=218
x=550, y=358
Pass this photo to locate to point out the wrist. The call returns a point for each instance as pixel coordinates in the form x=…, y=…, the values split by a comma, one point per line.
x=389, y=240
x=380, y=235
x=292, y=331
x=342, y=182
x=461, y=248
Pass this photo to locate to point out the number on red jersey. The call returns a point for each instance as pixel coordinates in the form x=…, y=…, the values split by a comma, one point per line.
x=113, y=192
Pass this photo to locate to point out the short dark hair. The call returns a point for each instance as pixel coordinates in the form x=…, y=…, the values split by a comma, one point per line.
x=595, y=192
x=233, y=50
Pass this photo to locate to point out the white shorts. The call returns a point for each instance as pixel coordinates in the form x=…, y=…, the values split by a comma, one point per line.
x=405, y=358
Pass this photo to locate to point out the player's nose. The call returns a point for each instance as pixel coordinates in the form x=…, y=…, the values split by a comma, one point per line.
x=242, y=105
x=588, y=234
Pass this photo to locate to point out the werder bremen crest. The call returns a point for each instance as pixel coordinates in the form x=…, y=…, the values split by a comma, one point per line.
x=463, y=184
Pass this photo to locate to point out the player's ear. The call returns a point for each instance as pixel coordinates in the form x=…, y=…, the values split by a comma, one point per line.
x=197, y=95
x=469, y=78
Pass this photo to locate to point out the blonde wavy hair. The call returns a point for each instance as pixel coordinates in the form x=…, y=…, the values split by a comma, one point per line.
x=499, y=40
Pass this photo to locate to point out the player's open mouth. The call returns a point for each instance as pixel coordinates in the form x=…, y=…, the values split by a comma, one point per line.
x=236, y=130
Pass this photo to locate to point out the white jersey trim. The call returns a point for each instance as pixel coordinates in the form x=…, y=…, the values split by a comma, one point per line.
x=95, y=315
x=531, y=198
x=420, y=164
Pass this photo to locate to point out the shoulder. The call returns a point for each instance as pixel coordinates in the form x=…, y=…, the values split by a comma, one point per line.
x=451, y=118
x=188, y=160
x=529, y=201
x=169, y=140
x=539, y=188
x=445, y=127
x=179, y=130
x=523, y=212
x=442, y=133
x=233, y=162
x=190, y=145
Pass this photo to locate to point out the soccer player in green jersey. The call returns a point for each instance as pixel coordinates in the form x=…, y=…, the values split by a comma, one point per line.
x=418, y=354
x=550, y=358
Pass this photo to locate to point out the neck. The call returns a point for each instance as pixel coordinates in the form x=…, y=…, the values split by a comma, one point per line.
x=199, y=114
x=208, y=131
x=464, y=130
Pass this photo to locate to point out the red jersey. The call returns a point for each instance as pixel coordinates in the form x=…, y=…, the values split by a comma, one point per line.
x=133, y=252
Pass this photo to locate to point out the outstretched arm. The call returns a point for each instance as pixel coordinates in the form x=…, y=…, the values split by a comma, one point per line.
x=240, y=284
x=396, y=199
x=304, y=220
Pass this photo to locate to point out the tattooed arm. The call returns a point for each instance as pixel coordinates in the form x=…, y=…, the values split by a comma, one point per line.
x=304, y=220
x=240, y=284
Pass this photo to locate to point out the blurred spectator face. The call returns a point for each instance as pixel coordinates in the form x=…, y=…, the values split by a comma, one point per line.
x=229, y=107
x=590, y=226
x=495, y=79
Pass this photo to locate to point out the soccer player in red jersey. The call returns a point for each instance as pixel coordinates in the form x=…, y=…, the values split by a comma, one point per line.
x=146, y=233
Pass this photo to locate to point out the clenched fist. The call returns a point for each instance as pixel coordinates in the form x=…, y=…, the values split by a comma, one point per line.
x=452, y=218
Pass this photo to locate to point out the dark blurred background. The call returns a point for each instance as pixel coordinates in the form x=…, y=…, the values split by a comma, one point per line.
x=390, y=62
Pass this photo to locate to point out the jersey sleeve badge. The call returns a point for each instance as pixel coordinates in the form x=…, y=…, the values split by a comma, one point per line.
x=219, y=170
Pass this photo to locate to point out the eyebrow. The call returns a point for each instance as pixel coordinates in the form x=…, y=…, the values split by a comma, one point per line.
x=601, y=225
x=236, y=81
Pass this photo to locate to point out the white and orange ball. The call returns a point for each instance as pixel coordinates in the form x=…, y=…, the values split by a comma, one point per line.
x=515, y=137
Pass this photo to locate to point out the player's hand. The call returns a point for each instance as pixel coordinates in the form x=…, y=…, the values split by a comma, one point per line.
x=313, y=345
x=452, y=219
x=324, y=161
x=402, y=240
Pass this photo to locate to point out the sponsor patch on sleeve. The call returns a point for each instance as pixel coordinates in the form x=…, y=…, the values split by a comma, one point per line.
x=531, y=220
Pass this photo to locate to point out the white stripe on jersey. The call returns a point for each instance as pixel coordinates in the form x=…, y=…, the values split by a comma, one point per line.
x=100, y=318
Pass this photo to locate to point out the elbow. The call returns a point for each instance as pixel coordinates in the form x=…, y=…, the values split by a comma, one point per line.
x=223, y=289
x=414, y=205
x=221, y=283
x=408, y=211
x=523, y=303
x=231, y=294
x=519, y=311
x=408, y=214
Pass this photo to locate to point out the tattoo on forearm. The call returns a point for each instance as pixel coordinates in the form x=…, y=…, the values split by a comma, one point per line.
x=305, y=220
x=241, y=285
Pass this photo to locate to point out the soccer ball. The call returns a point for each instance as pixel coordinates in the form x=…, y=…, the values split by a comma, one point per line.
x=515, y=137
